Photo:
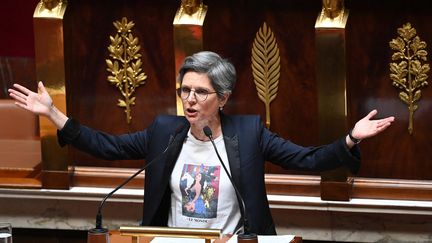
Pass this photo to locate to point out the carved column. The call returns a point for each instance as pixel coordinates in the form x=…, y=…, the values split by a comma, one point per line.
x=332, y=101
x=188, y=35
x=50, y=68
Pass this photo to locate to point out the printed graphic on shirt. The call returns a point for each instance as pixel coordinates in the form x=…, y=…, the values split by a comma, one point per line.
x=199, y=185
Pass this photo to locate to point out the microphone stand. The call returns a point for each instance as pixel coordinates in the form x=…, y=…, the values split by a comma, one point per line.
x=100, y=234
x=246, y=236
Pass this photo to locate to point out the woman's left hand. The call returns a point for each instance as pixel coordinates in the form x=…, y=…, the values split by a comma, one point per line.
x=366, y=127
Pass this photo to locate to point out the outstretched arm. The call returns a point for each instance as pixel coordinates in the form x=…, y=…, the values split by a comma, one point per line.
x=38, y=103
x=366, y=128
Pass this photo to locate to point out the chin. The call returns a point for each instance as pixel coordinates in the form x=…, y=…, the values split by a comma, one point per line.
x=192, y=120
x=195, y=122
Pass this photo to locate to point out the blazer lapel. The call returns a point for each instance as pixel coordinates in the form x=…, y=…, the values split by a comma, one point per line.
x=231, y=145
x=174, y=151
x=232, y=149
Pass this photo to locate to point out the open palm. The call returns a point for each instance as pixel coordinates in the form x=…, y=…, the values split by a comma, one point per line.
x=38, y=103
x=367, y=127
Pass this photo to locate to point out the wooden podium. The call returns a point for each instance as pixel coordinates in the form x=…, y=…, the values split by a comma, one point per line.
x=146, y=234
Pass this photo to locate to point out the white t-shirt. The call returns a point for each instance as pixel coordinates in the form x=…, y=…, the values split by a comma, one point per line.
x=202, y=194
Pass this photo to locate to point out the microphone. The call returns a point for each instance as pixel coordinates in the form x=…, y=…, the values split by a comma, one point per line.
x=99, y=229
x=246, y=236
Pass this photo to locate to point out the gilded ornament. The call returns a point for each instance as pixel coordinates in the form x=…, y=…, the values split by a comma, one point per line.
x=266, y=67
x=333, y=14
x=50, y=4
x=125, y=64
x=410, y=73
x=50, y=9
x=191, y=12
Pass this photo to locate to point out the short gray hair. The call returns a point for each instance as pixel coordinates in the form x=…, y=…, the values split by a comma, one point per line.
x=220, y=71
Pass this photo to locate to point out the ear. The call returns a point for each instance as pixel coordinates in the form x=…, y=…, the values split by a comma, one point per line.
x=223, y=100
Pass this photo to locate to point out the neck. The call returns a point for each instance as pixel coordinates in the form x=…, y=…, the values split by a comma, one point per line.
x=198, y=133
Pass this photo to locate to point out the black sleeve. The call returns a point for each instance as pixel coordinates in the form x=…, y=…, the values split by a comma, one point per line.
x=69, y=132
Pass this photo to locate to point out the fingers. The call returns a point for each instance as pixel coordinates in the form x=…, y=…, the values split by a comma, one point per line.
x=383, y=127
x=19, y=93
x=382, y=124
x=17, y=96
x=22, y=105
x=390, y=119
x=387, y=120
x=41, y=87
x=371, y=114
x=20, y=98
x=21, y=88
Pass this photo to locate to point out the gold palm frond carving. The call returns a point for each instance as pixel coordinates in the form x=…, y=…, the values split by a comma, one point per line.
x=266, y=67
x=410, y=73
x=125, y=65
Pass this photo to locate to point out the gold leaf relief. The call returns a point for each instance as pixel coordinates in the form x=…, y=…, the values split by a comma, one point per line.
x=125, y=65
x=410, y=74
x=266, y=67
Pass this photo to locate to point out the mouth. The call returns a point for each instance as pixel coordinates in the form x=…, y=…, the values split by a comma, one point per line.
x=191, y=112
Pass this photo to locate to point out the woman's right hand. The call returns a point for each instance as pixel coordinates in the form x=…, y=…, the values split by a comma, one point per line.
x=38, y=103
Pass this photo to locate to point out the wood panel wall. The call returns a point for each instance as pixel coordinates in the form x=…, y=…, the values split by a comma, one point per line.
x=16, y=44
x=372, y=25
x=230, y=29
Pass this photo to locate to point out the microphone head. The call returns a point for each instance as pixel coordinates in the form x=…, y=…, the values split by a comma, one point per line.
x=207, y=131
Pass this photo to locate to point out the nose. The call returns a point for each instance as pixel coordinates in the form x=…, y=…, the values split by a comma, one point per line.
x=192, y=96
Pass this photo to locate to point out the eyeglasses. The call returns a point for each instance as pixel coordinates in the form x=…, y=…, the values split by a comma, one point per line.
x=200, y=93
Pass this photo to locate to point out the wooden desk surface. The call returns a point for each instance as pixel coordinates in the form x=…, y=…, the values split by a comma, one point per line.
x=115, y=237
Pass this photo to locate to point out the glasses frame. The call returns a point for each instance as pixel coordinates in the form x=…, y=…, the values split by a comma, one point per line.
x=179, y=92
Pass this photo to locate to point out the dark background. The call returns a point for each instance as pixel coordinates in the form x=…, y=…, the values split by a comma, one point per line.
x=230, y=29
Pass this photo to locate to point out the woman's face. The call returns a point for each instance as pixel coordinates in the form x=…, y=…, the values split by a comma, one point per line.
x=201, y=113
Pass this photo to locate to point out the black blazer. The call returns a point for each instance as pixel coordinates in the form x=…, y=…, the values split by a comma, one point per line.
x=248, y=143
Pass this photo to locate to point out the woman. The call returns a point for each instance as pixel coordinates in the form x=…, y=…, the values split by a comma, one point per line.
x=206, y=83
x=194, y=195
